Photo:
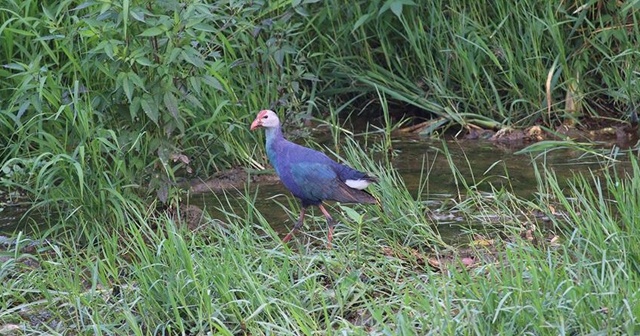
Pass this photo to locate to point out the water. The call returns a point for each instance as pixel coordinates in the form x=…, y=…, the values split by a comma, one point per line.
x=11, y=212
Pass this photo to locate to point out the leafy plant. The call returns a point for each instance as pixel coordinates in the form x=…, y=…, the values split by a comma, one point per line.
x=139, y=92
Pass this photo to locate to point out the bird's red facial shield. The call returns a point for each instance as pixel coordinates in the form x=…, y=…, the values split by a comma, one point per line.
x=258, y=121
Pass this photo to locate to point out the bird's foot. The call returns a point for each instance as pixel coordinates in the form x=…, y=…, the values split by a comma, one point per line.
x=330, y=237
x=287, y=237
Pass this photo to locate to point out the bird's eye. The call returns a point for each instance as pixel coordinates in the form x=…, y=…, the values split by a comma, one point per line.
x=265, y=117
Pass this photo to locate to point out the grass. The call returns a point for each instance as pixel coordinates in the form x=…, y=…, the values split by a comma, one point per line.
x=109, y=104
x=490, y=64
x=235, y=277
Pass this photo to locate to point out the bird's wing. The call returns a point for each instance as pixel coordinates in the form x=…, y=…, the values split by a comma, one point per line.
x=313, y=177
x=317, y=181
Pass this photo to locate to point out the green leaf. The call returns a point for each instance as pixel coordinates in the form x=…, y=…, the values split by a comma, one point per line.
x=310, y=77
x=163, y=193
x=174, y=54
x=149, y=108
x=142, y=60
x=135, y=79
x=213, y=82
x=171, y=104
x=301, y=11
x=153, y=31
x=22, y=109
x=194, y=82
x=205, y=27
x=395, y=6
x=87, y=32
x=360, y=22
x=105, y=7
x=352, y=214
x=279, y=57
x=193, y=100
x=134, y=107
x=14, y=66
x=81, y=6
x=193, y=56
x=108, y=49
x=137, y=14
x=192, y=21
x=50, y=37
x=127, y=87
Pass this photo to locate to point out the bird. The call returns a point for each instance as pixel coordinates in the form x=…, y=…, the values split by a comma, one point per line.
x=310, y=175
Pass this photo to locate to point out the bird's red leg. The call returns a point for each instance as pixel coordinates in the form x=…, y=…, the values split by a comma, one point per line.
x=296, y=226
x=330, y=222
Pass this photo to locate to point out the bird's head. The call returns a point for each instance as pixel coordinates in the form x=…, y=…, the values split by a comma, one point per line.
x=265, y=118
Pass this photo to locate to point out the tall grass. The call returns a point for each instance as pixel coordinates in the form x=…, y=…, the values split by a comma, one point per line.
x=154, y=277
x=499, y=63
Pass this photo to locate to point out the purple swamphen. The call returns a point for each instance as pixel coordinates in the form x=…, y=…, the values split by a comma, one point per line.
x=311, y=176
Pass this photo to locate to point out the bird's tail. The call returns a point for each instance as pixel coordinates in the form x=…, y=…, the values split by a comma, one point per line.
x=346, y=194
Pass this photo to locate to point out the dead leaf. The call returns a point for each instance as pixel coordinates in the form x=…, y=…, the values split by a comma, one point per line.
x=482, y=241
x=528, y=235
x=433, y=262
x=180, y=157
x=8, y=329
x=467, y=261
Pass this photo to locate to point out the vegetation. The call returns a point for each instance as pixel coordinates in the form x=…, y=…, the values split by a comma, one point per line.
x=166, y=89
x=573, y=270
x=108, y=105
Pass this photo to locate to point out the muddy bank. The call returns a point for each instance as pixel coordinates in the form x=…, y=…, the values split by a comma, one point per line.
x=234, y=178
x=621, y=134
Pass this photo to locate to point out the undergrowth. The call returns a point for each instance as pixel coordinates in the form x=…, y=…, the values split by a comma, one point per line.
x=107, y=106
x=389, y=273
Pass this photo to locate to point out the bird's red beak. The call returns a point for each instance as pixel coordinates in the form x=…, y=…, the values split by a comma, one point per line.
x=255, y=124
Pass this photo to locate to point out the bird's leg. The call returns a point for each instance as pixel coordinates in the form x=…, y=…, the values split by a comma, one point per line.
x=296, y=226
x=330, y=222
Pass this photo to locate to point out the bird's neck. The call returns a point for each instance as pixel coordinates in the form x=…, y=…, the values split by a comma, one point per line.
x=272, y=134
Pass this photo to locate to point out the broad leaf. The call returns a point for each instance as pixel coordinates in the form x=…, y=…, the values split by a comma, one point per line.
x=171, y=103
x=149, y=107
x=153, y=31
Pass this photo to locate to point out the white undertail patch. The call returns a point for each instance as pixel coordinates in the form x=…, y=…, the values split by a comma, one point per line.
x=357, y=184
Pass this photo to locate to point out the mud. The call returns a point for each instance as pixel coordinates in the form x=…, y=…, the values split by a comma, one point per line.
x=234, y=178
x=622, y=134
